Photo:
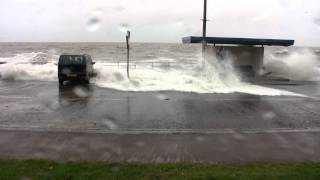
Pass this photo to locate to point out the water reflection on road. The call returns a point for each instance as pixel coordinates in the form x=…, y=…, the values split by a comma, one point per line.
x=82, y=107
x=75, y=92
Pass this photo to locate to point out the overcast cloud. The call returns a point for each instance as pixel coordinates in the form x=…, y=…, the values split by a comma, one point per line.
x=157, y=20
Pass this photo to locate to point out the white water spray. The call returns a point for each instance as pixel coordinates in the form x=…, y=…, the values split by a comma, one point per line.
x=216, y=77
x=300, y=65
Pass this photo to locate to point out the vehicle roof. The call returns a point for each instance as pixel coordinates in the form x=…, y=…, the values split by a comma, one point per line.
x=87, y=58
x=74, y=55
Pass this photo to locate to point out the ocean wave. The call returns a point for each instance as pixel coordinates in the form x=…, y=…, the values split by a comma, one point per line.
x=298, y=65
x=214, y=77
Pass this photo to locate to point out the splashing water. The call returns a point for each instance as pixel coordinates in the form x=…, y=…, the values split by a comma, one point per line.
x=215, y=77
x=124, y=27
x=317, y=21
x=80, y=92
x=93, y=24
x=299, y=65
x=29, y=66
x=268, y=115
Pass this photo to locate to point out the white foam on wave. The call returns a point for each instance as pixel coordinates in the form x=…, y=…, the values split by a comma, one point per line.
x=215, y=77
x=176, y=80
x=300, y=65
x=29, y=66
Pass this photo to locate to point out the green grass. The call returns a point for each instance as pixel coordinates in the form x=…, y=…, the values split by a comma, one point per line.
x=42, y=169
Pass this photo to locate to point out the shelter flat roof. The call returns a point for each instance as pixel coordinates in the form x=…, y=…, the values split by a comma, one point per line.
x=239, y=41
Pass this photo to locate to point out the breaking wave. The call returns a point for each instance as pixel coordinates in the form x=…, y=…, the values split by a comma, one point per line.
x=29, y=66
x=214, y=77
x=300, y=65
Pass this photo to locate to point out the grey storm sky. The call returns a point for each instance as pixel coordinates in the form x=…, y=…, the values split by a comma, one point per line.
x=157, y=20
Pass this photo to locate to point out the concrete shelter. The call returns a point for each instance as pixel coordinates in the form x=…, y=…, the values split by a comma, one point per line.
x=247, y=53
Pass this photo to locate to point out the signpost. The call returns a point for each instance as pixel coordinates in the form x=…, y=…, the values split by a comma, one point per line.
x=128, y=52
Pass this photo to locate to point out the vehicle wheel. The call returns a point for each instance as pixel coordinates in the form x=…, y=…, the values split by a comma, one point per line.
x=60, y=81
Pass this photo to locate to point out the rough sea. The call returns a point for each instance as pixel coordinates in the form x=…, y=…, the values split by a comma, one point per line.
x=156, y=66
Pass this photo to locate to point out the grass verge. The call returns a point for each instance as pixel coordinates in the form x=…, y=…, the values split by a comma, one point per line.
x=42, y=169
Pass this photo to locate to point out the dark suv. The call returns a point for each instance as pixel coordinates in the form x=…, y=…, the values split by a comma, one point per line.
x=75, y=68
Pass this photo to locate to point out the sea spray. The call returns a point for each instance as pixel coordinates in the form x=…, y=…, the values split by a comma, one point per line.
x=220, y=71
x=29, y=66
x=298, y=65
x=218, y=76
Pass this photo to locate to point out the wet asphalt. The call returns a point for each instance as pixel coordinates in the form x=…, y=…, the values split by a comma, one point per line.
x=86, y=122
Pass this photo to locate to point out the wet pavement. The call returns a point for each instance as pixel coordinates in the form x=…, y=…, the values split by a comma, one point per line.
x=74, y=107
x=159, y=148
x=83, y=122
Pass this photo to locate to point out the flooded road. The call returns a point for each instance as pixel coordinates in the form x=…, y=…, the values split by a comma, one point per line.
x=84, y=122
x=79, y=107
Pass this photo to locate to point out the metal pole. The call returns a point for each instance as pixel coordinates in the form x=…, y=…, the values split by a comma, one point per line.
x=204, y=33
x=128, y=52
x=204, y=28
